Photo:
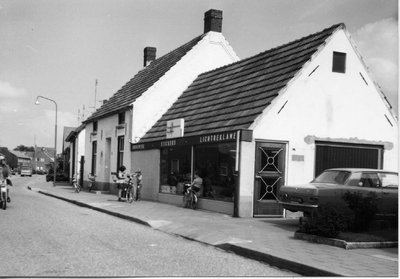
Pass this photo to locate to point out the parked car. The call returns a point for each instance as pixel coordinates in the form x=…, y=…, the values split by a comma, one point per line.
x=26, y=170
x=14, y=172
x=40, y=172
x=331, y=184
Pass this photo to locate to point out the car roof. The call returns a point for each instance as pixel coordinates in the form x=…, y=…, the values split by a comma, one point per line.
x=360, y=170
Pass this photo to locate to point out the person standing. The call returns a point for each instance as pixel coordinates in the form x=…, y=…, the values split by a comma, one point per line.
x=5, y=174
x=121, y=178
x=139, y=185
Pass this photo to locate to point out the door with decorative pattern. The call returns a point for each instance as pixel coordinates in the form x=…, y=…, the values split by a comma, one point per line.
x=269, y=177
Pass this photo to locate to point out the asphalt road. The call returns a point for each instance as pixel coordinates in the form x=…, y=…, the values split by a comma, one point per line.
x=43, y=236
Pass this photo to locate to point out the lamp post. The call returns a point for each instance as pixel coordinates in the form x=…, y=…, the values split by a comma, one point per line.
x=55, y=138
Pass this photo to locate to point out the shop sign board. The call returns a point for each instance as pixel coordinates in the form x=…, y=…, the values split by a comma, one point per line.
x=231, y=136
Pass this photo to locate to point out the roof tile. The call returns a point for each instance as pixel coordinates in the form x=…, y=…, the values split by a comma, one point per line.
x=233, y=96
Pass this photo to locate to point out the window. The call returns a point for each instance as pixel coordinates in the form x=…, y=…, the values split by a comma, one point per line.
x=120, y=156
x=95, y=126
x=339, y=62
x=175, y=168
x=216, y=164
x=121, y=118
x=94, y=157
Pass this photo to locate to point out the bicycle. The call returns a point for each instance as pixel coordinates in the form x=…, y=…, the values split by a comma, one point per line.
x=128, y=194
x=189, y=198
x=76, y=184
x=92, y=179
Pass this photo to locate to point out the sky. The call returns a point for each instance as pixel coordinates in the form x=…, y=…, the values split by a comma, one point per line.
x=59, y=48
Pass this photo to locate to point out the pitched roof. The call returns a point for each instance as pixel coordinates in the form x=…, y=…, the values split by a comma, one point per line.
x=142, y=81
x=232, y=97
x=73, y=134
x=19, y=154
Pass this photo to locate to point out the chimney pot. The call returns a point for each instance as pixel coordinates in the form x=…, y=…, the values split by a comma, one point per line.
x=149, y=55
x=213, y=21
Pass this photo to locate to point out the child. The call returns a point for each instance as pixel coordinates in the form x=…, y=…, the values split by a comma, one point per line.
x=138, y=175
x=121, y=177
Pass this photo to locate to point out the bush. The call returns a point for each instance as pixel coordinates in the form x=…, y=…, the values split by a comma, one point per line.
x=328, y=220
x=364, y=208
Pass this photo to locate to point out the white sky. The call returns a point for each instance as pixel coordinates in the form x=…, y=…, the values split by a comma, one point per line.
x=58, y=48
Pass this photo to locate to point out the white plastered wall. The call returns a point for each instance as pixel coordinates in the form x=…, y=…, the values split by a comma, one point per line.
x=211, y=52
x=323, y=105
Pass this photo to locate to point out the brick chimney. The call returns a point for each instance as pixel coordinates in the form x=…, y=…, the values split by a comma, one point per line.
x=213, y=21
x=149, y=55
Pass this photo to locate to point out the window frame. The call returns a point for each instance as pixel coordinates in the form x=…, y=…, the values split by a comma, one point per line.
x=121, y=118
x=339, y=60
x=94, y=157
x=120, y=151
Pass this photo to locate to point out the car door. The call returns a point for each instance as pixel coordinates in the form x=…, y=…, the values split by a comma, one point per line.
x=370, y=182
x=390, y=193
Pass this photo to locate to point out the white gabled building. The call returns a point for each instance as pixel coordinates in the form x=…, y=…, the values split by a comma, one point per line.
x=280, y=117
x=134, y=109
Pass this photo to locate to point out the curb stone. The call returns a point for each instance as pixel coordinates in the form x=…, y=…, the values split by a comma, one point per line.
x=344, y=244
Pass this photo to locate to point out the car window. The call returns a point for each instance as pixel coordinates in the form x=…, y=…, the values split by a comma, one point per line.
x=336, y=177
x=389, y=180
x=370, y=180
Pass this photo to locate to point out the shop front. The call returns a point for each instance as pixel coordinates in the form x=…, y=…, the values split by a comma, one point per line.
x=214, y=157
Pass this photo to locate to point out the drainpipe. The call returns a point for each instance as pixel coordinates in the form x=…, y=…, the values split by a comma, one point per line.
x=237, y=177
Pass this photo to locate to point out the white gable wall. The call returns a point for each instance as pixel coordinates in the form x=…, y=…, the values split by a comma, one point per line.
x=331, y=107
x=211, y=52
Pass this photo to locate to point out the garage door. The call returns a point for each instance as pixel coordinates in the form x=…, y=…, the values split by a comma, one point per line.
x=331, y=155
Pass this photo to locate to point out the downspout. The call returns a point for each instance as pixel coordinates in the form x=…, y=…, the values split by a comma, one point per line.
x=237, y=179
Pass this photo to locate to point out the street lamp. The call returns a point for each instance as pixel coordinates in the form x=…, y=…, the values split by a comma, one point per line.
x=55, y=138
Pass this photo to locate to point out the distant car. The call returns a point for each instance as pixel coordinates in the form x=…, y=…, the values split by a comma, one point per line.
x=26, y=170
x=14, y=172
x=40, y=172
x=331, y=184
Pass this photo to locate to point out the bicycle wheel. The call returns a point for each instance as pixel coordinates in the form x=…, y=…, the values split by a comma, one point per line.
x=185, y=200
x=129, y=196
x=193, y=203
x=4, y=201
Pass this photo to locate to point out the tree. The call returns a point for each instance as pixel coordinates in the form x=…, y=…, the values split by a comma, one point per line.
x=23, y=148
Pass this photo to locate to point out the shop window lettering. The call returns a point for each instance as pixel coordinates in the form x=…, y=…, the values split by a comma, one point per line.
x=218, y=137
x=168, y=143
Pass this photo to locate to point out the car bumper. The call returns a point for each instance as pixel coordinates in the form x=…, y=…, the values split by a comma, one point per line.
x=298, y=207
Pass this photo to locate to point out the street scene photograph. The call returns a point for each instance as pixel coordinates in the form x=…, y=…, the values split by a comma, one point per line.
x=199, y=138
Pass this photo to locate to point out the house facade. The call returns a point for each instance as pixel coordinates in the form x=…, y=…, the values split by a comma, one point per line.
x=280, y=117
x=76, y=138
x=42, y=158
x=15, y=159
x=136, y=107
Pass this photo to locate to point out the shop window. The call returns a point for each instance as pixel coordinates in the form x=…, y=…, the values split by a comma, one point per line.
x=216, y=164
x=175, y=169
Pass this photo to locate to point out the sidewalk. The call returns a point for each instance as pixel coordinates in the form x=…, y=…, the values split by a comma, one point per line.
x=268, y=240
